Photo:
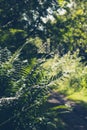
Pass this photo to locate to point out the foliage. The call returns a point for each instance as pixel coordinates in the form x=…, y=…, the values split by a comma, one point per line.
x=20, y=74
x=67, y=74
x=20, y=80
x=22, y=20
x=31, y=32
x=68, y=31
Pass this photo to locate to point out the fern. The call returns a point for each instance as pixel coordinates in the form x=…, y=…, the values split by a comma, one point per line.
x=22, y=81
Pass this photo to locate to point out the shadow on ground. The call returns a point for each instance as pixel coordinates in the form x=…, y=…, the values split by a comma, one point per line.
x=62, y=114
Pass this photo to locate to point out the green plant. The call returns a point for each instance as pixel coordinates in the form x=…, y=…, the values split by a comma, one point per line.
x=22, y=88
x=68, y=73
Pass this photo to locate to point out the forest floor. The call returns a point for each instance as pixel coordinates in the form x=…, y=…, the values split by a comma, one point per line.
x=66, y=114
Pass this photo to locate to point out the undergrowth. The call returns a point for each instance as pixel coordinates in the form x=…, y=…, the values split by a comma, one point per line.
x=68, y=75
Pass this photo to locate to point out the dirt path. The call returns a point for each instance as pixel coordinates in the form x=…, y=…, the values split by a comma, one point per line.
x=74, y=116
